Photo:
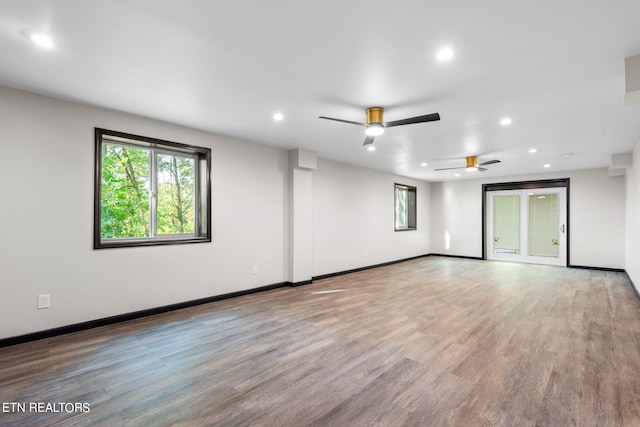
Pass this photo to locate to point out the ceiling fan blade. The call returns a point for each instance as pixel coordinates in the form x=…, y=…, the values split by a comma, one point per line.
x=482, y=169
x=419, y=119
x=343, y=121
x=489, y=162
x=368, y=140
x=448, y=169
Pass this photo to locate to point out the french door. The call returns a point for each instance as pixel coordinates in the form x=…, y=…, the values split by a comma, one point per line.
x=527, y=225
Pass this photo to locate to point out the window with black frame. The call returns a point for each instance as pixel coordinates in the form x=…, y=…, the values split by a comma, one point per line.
x=150, y=191
x=405, y=207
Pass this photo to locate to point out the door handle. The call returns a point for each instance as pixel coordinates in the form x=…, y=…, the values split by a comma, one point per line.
x=562, y=229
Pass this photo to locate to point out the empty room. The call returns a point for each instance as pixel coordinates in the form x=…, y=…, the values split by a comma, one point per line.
x=346, y=213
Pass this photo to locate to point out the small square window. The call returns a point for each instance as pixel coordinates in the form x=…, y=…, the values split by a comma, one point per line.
x=405, y=207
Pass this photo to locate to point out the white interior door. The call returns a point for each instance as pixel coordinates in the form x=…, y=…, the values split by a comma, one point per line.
x=527, y=225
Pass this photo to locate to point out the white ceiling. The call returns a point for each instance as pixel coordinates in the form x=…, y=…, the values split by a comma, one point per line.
x=555, y=67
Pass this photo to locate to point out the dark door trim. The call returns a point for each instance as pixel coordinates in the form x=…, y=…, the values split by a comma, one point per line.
x=524, y=185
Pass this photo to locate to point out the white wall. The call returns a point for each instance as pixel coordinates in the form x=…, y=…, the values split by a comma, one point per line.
x=597, y=204
x=46, y=220
x=632, y=261
x=353, y=212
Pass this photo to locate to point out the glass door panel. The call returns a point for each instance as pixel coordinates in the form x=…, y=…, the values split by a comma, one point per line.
x=506, y=224
x=544, y=231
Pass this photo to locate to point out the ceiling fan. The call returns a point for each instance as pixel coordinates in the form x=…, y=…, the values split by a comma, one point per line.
x=472, y=165
x=375, y=125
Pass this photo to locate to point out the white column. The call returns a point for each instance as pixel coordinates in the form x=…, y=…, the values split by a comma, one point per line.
x=301, y=165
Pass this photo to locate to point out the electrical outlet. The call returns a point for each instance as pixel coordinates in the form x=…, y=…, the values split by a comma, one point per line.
x=44, y=301
x=255, y=269
x=366, y=252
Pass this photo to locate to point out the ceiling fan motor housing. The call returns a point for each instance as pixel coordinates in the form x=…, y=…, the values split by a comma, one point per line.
x=472, y=161
x=374, y=115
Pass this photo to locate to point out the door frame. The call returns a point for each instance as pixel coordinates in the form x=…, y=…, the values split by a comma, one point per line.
x=526, y=185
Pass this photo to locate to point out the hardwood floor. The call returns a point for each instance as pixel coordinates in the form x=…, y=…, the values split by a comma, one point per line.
x=429, y=342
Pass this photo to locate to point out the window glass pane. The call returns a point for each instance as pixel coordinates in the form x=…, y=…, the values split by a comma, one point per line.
x=506, y=225
x=411, y=208
x=401, y=207
x=124, y=204
x=543, y=225
x=176, y=190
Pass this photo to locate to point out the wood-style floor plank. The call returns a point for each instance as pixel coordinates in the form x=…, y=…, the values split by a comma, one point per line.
x=433, y=341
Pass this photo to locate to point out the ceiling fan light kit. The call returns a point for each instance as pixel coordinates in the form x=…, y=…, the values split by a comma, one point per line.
x=374, y=129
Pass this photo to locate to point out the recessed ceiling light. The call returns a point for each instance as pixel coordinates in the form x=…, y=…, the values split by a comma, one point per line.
x=423, y=164
x=371, y=148
x=532, y=150
x=506, y=121
x=41, y=39
x=547, y=165
x=445, y=54
x=278, y=116
x=457, y=174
